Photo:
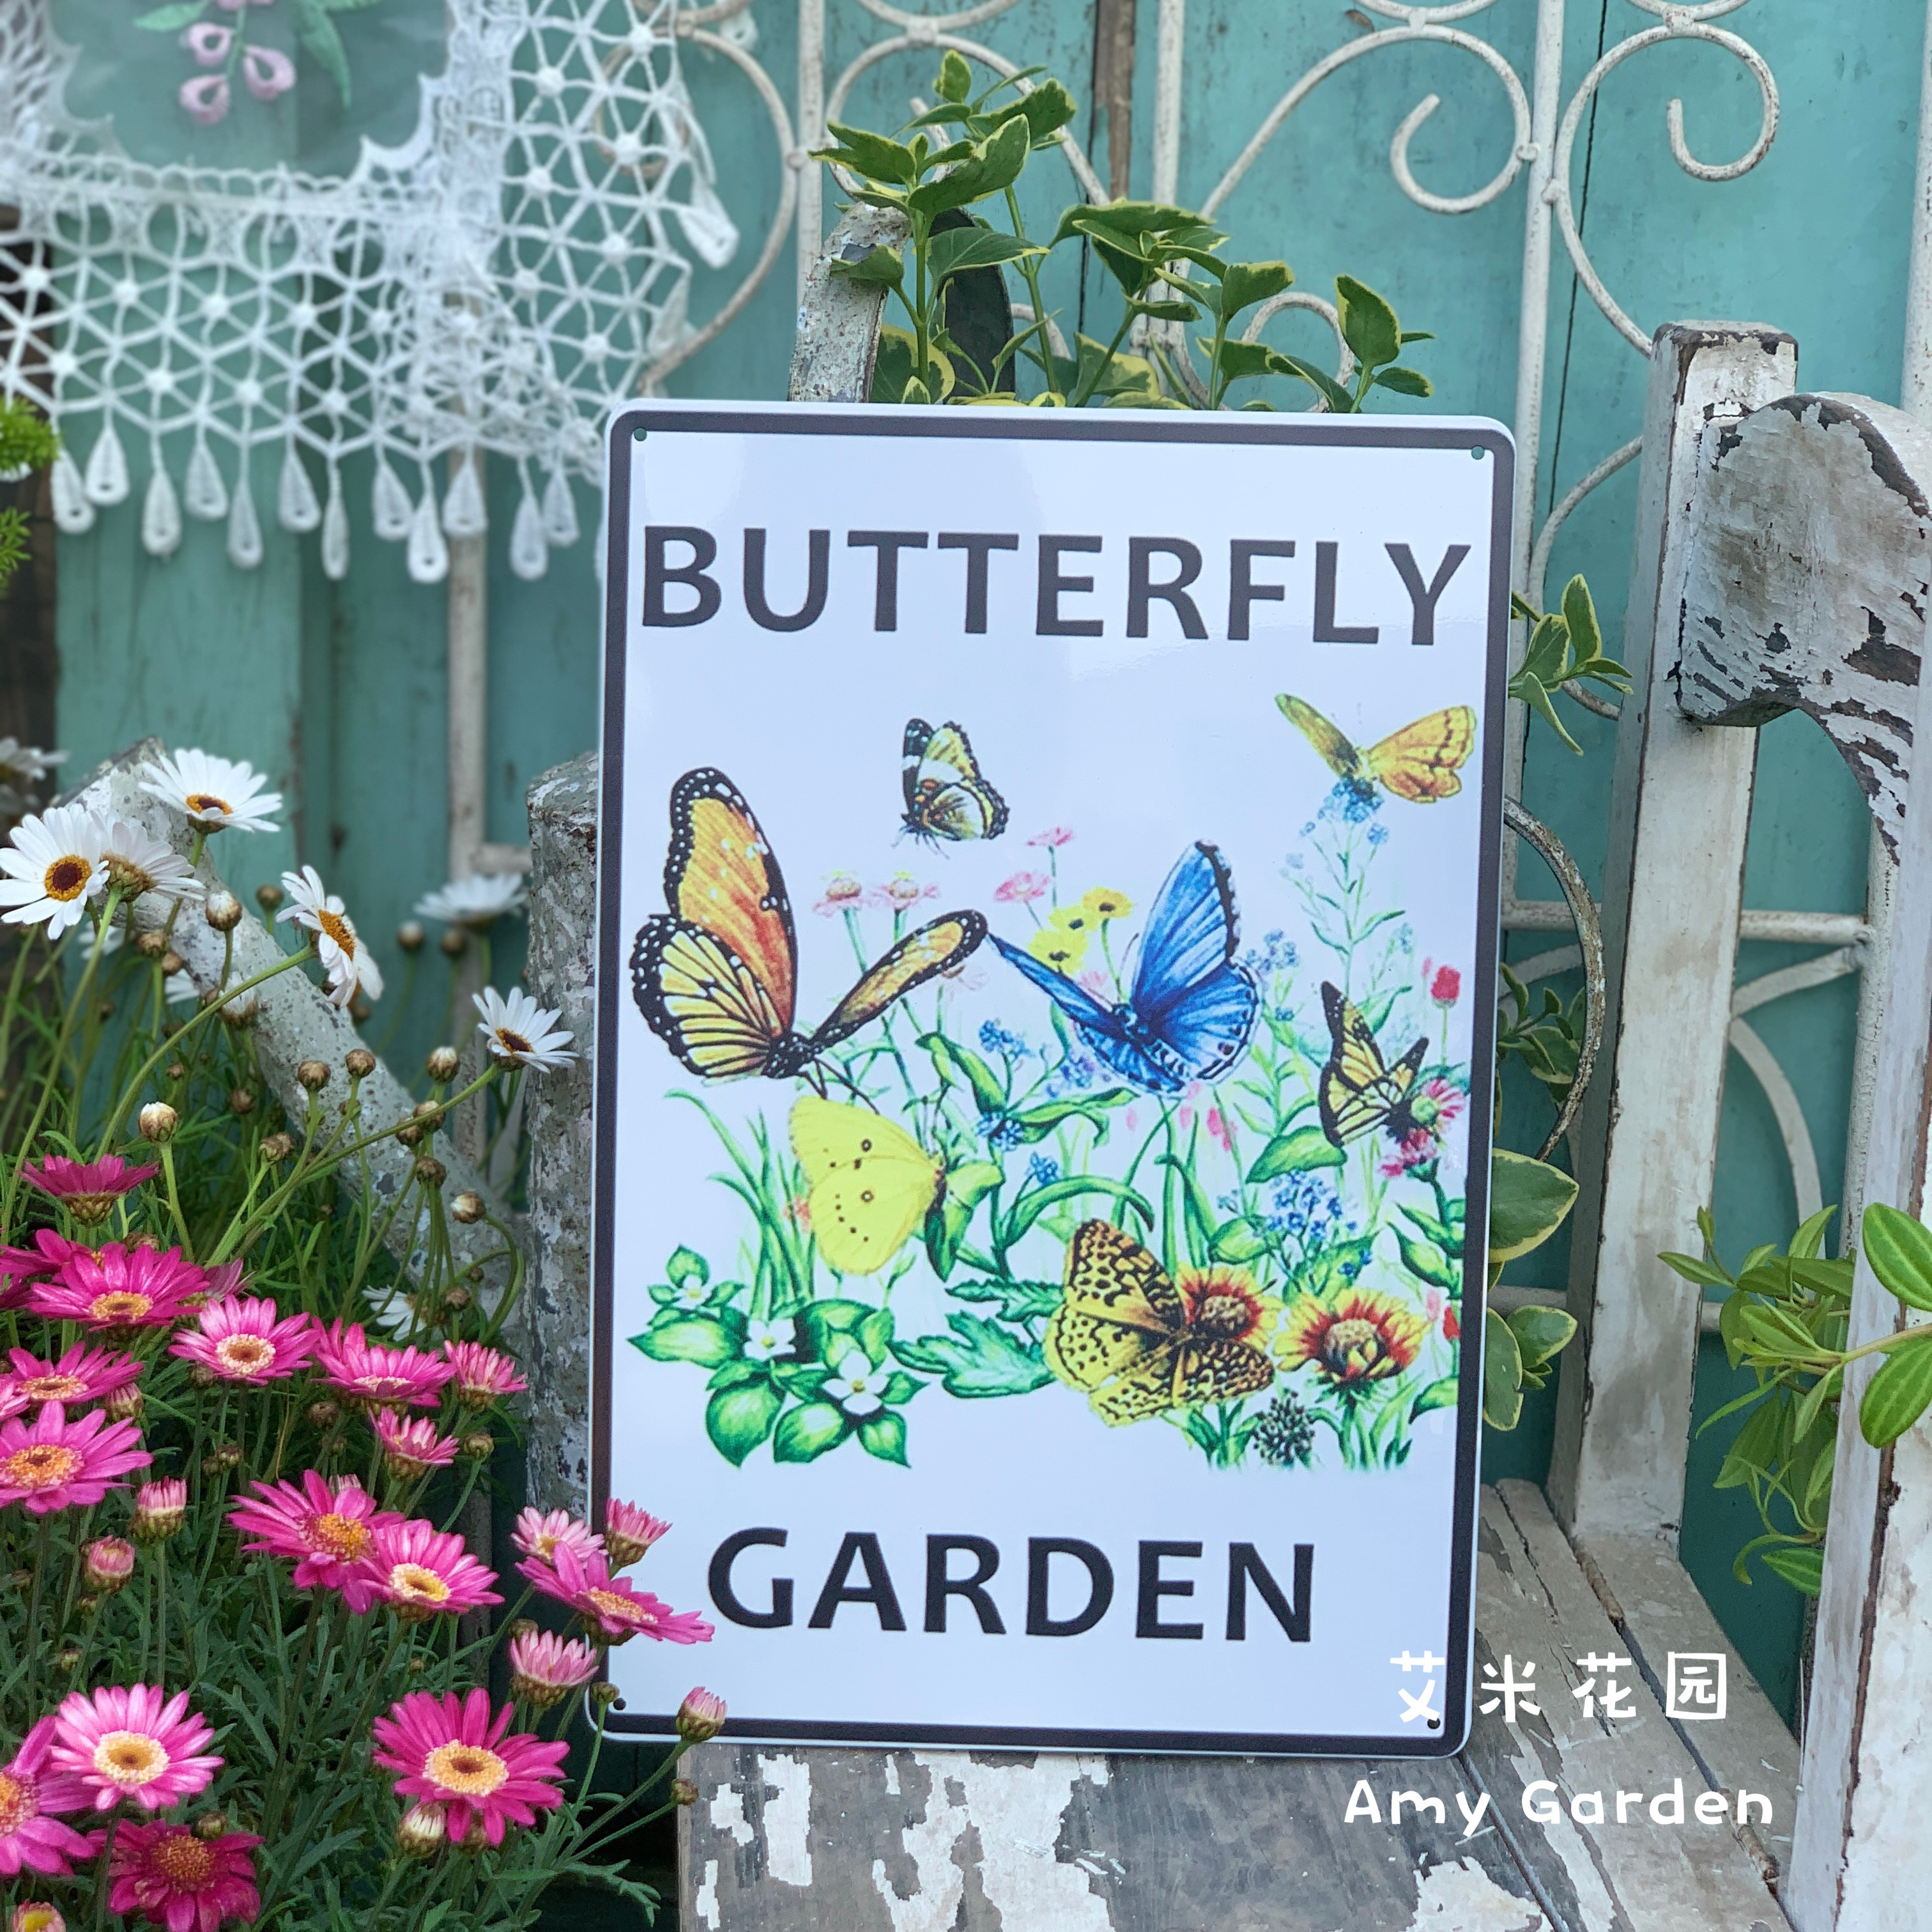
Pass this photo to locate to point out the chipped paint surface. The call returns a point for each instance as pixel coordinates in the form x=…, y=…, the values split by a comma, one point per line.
x=727, y=1813
x=1464, y=1898
x=705, y=1903
x=1017, y=1810
x=788, y=1820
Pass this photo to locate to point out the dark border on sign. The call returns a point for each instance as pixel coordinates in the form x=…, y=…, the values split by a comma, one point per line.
x=872, y=420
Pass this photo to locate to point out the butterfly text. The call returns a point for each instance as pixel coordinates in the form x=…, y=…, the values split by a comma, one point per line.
x=682, y=587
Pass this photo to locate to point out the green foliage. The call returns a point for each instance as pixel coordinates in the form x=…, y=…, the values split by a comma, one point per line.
x=1529, y=1200
x=1565, y=648
x=27, y=442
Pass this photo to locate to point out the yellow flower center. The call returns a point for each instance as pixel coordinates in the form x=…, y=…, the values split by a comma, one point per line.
x=183, y=1860
x=417, y=1585
x=245, y=1355
x=508, y=1042
x=613, y=1605
x=43, y=1465
x=53, y=1388
x=206, y=801
x=341, y=1537
x=122, y=1306
x=468, y=1770
x=35, y=1917
x=338, y=929
x=16, y=1803
x=67, y=878
x=1345, y=1338
x=130, y=1759
x=1229, y=1316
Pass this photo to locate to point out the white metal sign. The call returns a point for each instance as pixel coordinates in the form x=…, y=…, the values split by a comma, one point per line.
x=1049, y=875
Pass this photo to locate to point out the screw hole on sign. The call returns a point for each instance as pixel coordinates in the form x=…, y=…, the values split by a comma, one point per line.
x=638, y=435
x=1477, y=454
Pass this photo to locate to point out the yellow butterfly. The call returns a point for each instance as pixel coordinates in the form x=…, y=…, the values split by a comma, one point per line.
x=1142, y=1343
x=1360, y=1090
x=871, y=1183
x=1418, y=762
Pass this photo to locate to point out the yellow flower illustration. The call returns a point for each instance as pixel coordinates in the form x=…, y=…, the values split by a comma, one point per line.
x=1355, y=1337
x=1058, y=946
x=1104, y=903
x=1074, y=919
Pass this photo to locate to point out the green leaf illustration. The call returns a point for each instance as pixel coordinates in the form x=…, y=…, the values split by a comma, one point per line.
x=707, y=1340
x=1297, y=1151
x=805, y=1433
x=737, y=1419
x=1019, y=1301
x=172, y=20
x=685, y=1265
x=322, y=42
x=979, y=1358
x=1441, y=1394
x=882, y=1434
x=1426, y=1262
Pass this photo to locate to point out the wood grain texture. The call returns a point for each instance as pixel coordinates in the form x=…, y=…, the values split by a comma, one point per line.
x=1808, y=581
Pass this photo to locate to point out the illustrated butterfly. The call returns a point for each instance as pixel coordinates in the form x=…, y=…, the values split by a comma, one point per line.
x=946, y=797
x=1418, y=762
x=871, y=1183
x=1360, y=1091
x=1191, y=1008
x=716, y=978
x=1140, y=1345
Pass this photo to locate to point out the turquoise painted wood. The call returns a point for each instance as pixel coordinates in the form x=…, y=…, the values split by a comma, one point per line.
x=337, y=690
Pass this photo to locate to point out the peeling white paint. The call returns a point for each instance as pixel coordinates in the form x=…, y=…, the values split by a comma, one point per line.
x=787, y=1820
x=728, y=1814
x=932, y=1842
x=1595, y=1905
x=705, y=1903
x=1464, y=1898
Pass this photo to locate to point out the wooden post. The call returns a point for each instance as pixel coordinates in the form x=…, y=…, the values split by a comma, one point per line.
x=1680, y=808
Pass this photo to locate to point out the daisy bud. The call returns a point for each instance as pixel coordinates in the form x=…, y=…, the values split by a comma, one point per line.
x=522, y=1626
x=242, y=1101
x=176, y=1070
x=683, y=1792
x=160, y=1509
x=277, y=1147
x=200, y=1377
x=423, y=1831
x=151, y=945
x=324, y=1414
x=268, y=897
x=701, y=1716
x=443, y=1063
x=105, y=1010
x=68, y=1659
x=467, y=1207
x=477, y=1446
x=457, y=1298
x=545, y=1669
x=19, y=1580
x=429, y=1113
x=87, y=1605
x=225, y=1456
x=211, y=1825
x=603, y=1695
x=409, y=936
x=110, y=1562
x=171, y=962
x=223, y=912
x=431, y=1171
x=125, y=1404
x=313, y=1075
x=242, y=1013
x=628, y=1531
x=360, y=1062
x=36, y=1916
x=409, y=1136
x=158, y=1121
x=454, y=941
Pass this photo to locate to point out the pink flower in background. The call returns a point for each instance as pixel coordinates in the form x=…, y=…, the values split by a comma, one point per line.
x=175, y=1877
x=1055, y=835
x=483, y=1374
x=1446, y=987
x=267, y=72
x=53, y=1464
x=411, y=1446
x=608, y=1604
x=82, y=1375
x=1218, y=1128
x=540, y=1535
x=420, y=1569
x=242, y=1342
x=628, y=1531
x=1022, y=888
x=88, y=1189
x=545, y=1668
x=452, y=1752
x=327, y=1530
x=120, y=1287
x=31, y=1838
x=223, y=1280
x=208, y=43
x=140, y=1744
x=205, y=98
x=20, y=1266
x=902, y=891
x=389, y=1378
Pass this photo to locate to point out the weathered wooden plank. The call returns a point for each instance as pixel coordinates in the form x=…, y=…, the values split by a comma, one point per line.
x=1673, y=884
x=1807, y=586
x=838, y=320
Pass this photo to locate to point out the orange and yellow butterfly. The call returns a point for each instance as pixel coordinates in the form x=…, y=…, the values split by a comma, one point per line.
x=1141, y=1344
x=1360, y=1090
x=716, y=978
x=1418, y=762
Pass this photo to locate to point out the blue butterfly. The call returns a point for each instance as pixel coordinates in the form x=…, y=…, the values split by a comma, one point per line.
x=1192, y=1008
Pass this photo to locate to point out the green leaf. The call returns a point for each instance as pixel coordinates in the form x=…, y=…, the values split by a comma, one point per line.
x=172, y=20
x=1825, y=1389
x=872, y=155
x=882, y=1434
x=875, y=1334
x=972, y=1181
x=954, y=80
x=1541, y=1334
x=1546, y=656
x=1705, y=1273
x=1339, y=402
x=1776, y=1335
x=322, y=42
x=1048, y=108
x=1019, y=1301
x=1802, y=1568
x=994, y=164
x=1369, y=325
x=878, y=267
x=1441, y=1394
x=1247, y=283
x=1036, y=1123
x=1237, y=1241
x=1900, y=1250
x=1502, y=1374
x=1028, y=1210
x=1239, y=359
x=737, y=1419
x=1403, y=382
x=1896, y=1397
x=979, y=1358
x=685, y=1265
x=1528, y=1201
x=706, y=1340
x=1580, y=614
x=900, y=1389
x=1424, y=1261
x=805, y=1433
x=1297, y=1151
x=957, y=250
x=829, y=1327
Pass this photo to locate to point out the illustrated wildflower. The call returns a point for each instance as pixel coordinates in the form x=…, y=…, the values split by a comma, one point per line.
x=1431, y=1110
x=452, y=1752
x=519, y=1033
x=349, y=966
x=33, y=1798
x=119, y=1289
x=138, y=862
x=212, y=793
x=237, y=1340
x=701, y=1716
x=107, y=1563
x=175, y=1877
x=1351, y=1339
x=411, y=1446
x=85, y=1373
x=88, y=1189
x=629, y=1531
x=1104, y=903
x=1022, y=888
x=51, y=1463
x=477, y=901
x=160, y=1510
x=138, y=1744
x=1445, y=984
x=902, y=892
x=540, y=1534
x=545, y=1668
x=855, y=1385
x=420, y=1571
x=1054, y=837
x=325, y=1528
x=1056, y=946
x=380, y=1377
x=843, y=893
x=268, y=71
x=52, y=867
x=766, y=1341
x=608, y=1604
x=484, y=1375
x=1284, y=1433
x=1078, y=920
x=208, y=43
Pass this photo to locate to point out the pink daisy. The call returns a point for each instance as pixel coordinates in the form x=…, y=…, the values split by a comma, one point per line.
x=483, y=1375
x=608, y=1604
x=242, y=1341
x=1022, y=888
x=419, y=1570
x=20, y=1266
x=545, y=1668
x=53, y=1464
x=628, y=1531
x=175, y=1877
x=140, y=1744
x=411, y=1446
x=1054, y=835
x=89, y=1189
x=453, y=1753
x=119, y=1288
x=82, y=1375
x=327, y=1530
x=392, y=1377
x=224, y=1279
x=160, y=1510
x=539, y=1534
x=31, y=1838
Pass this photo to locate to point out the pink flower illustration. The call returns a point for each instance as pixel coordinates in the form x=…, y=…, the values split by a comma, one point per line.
x=1022, y=888
x=1218, y=1128
x=205, y=98
x=267, y=72
x=843, y=893
x=1446, y=987
x=140, y=1744
x=1055, y=835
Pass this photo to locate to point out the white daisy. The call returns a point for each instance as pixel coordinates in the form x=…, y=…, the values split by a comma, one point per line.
x=22, y=768
x=518, y=1030
x=856, y=1386
x=764, y=1341
x=53, y=866
x=478, y=902
x=180, y=990
x=213, y=792
x=138, y=864
x=344, y=956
